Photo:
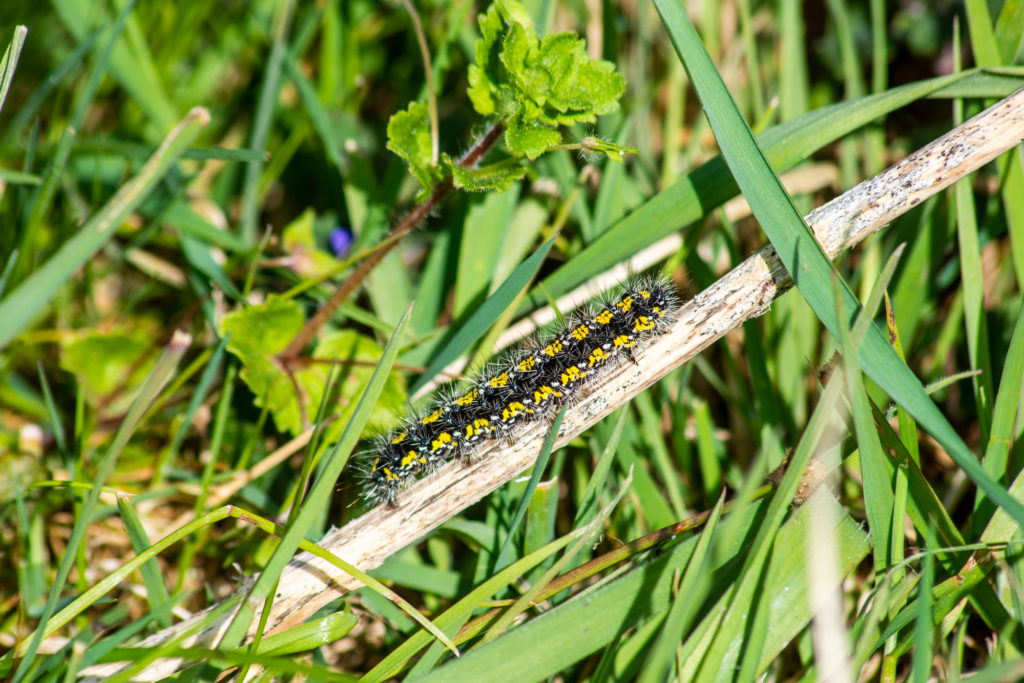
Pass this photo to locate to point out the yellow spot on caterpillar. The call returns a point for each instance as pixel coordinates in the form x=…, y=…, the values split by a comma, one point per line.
x=499, y=380
x=442, y=441
x=626, y=304
x=433, y=417
x=580, y=333
x=545, y=392
x=400, y=437
x=389, y=475
x=604, y=317
x=527, y=364
x=572, y=374
x=513, y=409
x=597, y=356
x=467, y=399
x=554, y=348
x=623, y=342
x=479, y=427
x=411, y=457
x=642, y=324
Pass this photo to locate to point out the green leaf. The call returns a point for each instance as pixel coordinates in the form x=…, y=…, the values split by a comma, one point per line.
x=530, y=140
x=263, y=328
x=498, y=177
x=110, y=362
x=259, y=333
x=485, y=75
x=409, y=138
x=535, y=84
x=559, y=75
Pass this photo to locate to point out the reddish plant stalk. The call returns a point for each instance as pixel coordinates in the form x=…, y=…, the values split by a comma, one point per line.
x=407, y=224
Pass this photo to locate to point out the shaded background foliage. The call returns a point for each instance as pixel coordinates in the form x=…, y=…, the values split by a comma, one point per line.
x=102, y=332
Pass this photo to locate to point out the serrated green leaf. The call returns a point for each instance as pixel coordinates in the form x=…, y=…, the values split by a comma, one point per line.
x=361, y=353
x=497, y=177
x=409, y=138
x=263, y=328
x=559, y=74
x=529, y=140
x=535, y=84
x=486, y=73
x=480, y=90
x=519, y=44
x=514, y=13
x=259, y=333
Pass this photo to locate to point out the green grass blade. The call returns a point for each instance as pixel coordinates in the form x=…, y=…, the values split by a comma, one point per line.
x=199, y=394
x=155, y=381
x=20, y=178
x=322, y=123
x=35, y=101
x=481, y=320
x=588, y=506
x=9, y=62
x=479, y=242
x=974, y=304
x=56, y=424
x=309, y=635
x=876, y=473
x=921, y=665
x=156, y=592
x=320, y=492
x=129, y=69
x=1001, y=527
x=19, y=307
x=181, y=216
x=710, y=185
x=983, y=38
x=502, y=558
x=804, y=258
x=879, y=500
x=262, y=119
x=457, y=615
x=692, y=590
x=1013, y=187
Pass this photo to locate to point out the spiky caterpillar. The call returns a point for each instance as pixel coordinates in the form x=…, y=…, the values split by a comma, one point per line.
x=527, y=385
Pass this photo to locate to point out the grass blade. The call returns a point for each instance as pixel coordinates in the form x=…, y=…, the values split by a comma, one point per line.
x=32, y=296
x=804, y=258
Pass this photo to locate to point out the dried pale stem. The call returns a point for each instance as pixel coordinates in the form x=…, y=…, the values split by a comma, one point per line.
x=743, y=293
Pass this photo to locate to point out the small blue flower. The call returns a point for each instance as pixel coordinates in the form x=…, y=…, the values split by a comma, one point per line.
x=340, y=240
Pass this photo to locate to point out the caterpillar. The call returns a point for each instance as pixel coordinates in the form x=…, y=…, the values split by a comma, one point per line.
x=526, y=385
